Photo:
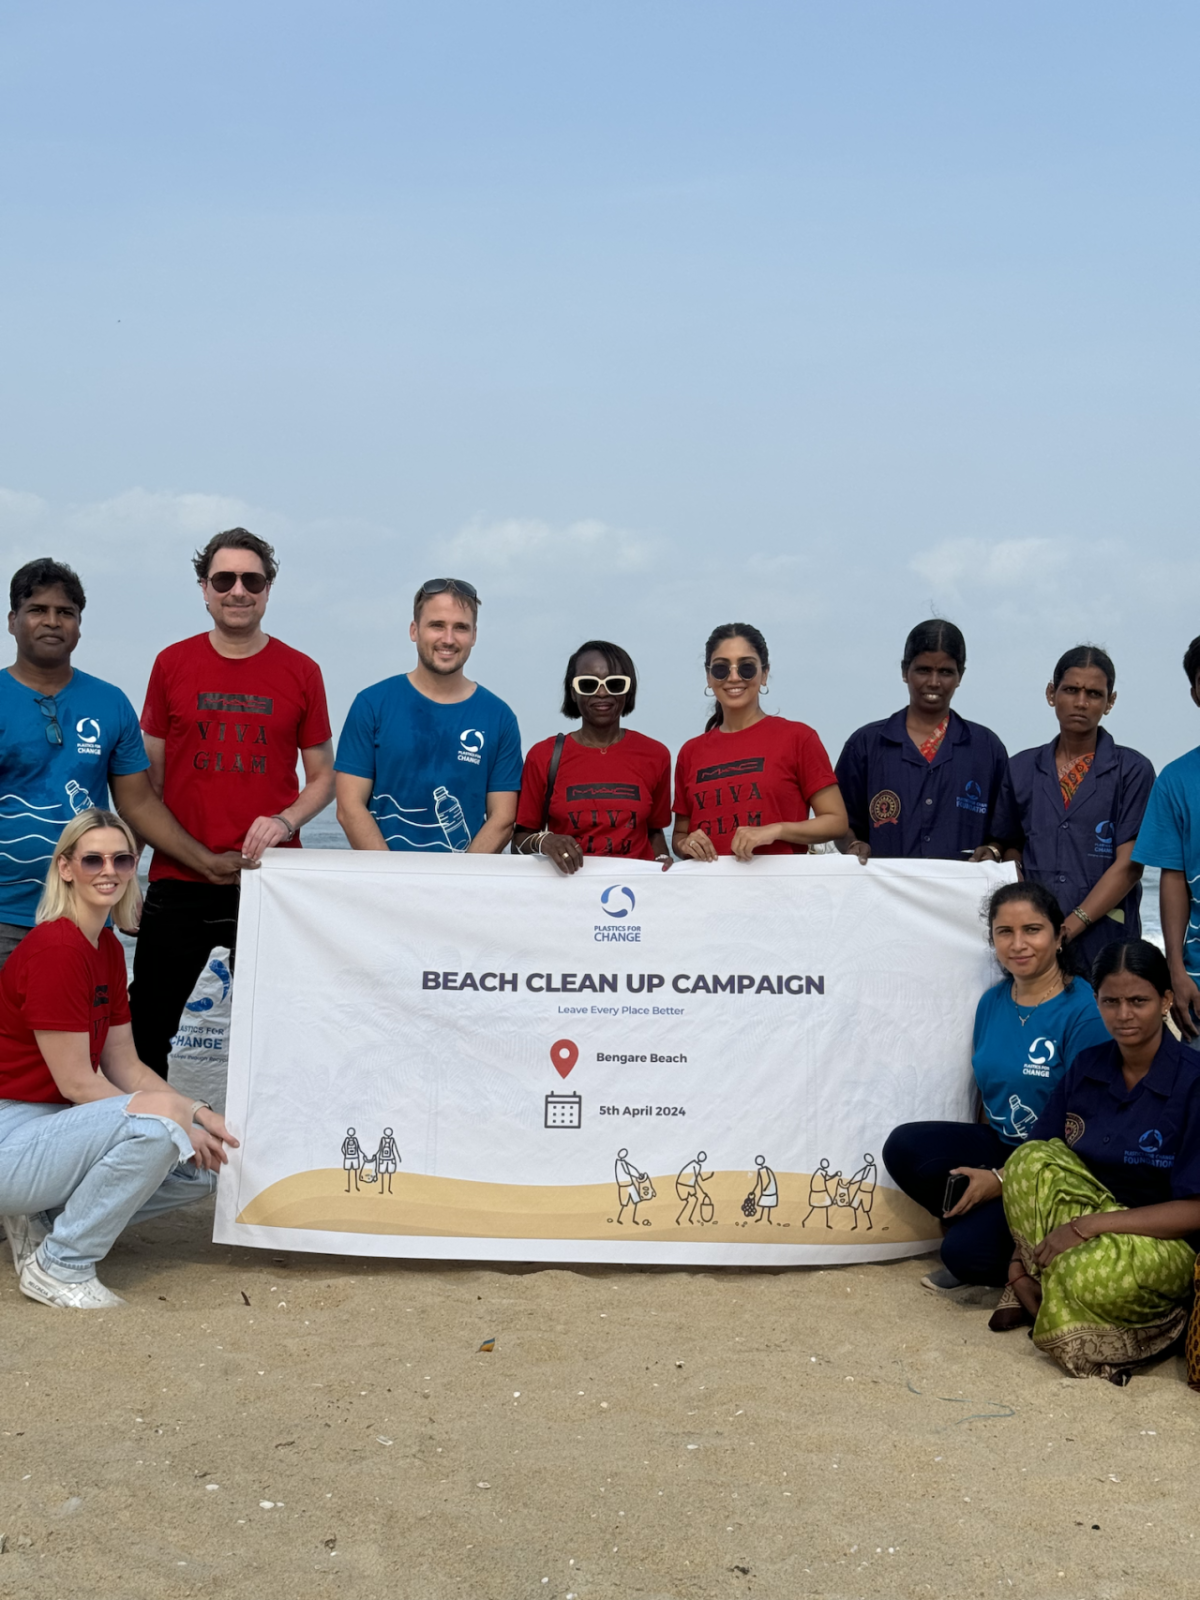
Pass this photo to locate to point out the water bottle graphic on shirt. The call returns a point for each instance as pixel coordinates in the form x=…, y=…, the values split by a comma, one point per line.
x=80, y=799
x=450, y=814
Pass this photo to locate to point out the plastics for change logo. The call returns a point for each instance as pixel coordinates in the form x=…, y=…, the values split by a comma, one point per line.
x=617, y=900
x=618, y=903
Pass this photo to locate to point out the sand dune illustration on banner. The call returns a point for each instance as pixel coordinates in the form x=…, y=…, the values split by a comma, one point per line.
x=454, y=1208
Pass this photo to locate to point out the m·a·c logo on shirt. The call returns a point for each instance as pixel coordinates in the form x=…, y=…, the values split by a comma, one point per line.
x=730, y=769
x=471, y=743
x=259, y=705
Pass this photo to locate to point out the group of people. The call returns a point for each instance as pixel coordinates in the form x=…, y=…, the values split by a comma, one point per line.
x=92, y=1135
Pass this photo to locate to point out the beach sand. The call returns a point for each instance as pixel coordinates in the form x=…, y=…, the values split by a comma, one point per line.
x=655, y=1433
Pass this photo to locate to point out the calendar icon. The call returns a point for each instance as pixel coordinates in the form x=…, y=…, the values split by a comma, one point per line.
x=564, y=1111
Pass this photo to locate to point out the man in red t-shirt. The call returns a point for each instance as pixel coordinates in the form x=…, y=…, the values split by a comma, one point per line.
x=227, y=715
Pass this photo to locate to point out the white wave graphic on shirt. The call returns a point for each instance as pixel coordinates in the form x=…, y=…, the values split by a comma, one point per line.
x=34, y=847
x=448, y=831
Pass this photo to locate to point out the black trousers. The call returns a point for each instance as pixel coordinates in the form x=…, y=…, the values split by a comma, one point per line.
x=978, y=1246
x=182, y=923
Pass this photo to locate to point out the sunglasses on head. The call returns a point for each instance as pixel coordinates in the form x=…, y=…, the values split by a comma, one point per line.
x=614, y=684
x=440, y=586
x=252, y=582
x=93, y=862
x=745, y=670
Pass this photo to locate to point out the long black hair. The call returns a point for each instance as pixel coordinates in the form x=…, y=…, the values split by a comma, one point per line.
x=936, y=635
x=1040, y=898
x=616, y=659
x=1086, y=655
x=1139, y=957
x=733, y=630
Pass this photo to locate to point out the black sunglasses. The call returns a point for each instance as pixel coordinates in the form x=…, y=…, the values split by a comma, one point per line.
x=49, y=710
x=440, y=586
x=252, y=582
x=745, y=670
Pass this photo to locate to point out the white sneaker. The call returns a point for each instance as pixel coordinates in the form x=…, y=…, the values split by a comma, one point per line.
x=91, y=1295
x=24, y=1236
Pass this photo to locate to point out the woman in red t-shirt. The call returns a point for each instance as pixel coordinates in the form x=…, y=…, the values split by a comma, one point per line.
x=90, y=1138
x=747, y=784
x=611, y=795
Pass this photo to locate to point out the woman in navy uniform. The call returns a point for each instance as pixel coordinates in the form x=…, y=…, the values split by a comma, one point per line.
x=1070, y=810
x=925, y=782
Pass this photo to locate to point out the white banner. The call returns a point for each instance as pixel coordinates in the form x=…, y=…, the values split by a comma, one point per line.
x=474, y=1057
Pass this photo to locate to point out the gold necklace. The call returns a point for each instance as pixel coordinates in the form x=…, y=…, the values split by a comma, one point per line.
x=1054, y=989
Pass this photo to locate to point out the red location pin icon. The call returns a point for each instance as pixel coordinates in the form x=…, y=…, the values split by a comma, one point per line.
x=564, y=1055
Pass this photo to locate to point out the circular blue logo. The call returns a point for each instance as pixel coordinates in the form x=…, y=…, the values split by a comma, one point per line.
x=617, y=900
x=1042, y=1052
x=972, y=788
x=1104, y=830
x=471, y=739
x=1151, y=1141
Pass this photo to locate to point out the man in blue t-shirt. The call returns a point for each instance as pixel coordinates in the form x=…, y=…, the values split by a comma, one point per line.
x=1169, y=838
x=429, y=760
x=65, y=739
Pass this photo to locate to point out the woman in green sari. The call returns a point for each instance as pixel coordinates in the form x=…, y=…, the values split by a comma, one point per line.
x=1103, y=1202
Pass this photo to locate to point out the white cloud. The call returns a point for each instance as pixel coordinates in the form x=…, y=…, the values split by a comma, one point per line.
x=959, y=564
x=503, y=545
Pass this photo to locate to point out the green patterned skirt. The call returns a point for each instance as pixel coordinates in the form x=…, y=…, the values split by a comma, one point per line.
x=1107, y=1304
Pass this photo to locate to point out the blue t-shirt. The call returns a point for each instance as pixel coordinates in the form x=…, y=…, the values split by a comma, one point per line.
x=1018, y=1065
x=1170, y=837
x=432, y=765
x=43, y=785
x=1142, y=1143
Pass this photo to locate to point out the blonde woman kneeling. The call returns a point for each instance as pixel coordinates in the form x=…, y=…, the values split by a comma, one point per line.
x=90, y=1139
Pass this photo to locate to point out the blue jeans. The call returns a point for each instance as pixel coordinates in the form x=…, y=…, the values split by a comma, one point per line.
x=94, y=1169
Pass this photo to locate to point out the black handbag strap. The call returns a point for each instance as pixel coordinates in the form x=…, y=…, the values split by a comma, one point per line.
x=559, y=741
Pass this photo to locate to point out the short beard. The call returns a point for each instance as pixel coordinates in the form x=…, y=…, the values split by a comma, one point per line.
x=434, y=666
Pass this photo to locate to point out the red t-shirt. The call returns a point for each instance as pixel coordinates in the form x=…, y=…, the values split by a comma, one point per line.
x=55, y=982
x=233, y=729
x=610, y=800
x=764, y=774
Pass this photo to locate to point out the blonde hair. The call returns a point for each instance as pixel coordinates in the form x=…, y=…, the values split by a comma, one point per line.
x=58, y=897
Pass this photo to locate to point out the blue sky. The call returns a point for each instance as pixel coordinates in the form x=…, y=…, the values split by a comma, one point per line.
x=642, y=316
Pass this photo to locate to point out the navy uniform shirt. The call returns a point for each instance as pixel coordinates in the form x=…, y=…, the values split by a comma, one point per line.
x=1069, y=848
x=1142, y=1143
x=902, y=805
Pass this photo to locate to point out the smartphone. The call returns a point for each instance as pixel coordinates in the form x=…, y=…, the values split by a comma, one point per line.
x=956, y=1187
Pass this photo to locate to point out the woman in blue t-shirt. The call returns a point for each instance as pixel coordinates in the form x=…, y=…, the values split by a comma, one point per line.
x=1029, y=1028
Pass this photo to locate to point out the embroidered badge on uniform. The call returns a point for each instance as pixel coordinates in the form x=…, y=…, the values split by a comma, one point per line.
x=884, y=807
x=1073, y=1131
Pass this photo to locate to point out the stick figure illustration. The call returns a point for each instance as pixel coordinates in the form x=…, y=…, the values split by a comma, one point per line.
x=629, y=1181
x=689, y=1186
x=767, y=1188
x=819, y=1197
x=387, y=1159
x=352, y=1157
x=862, y=1190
